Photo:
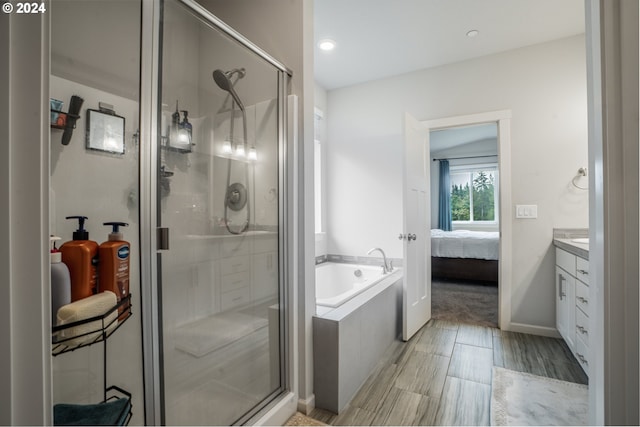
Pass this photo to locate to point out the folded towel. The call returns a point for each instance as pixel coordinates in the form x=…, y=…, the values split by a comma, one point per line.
x=112, y=413
x=92, y=306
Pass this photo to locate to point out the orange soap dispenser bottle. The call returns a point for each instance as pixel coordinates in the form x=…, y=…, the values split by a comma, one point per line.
x=81, y=256
x=114, y=263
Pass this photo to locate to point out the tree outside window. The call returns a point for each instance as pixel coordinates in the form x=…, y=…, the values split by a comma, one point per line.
x=473, y=195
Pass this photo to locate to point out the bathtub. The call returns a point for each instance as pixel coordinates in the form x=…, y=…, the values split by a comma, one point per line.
x=337, y=283
x=358, y=316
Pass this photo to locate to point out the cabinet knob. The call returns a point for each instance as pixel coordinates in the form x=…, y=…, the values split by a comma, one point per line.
x=585, y=272
x=411, y=237
x=583, y=300
x=582, y=329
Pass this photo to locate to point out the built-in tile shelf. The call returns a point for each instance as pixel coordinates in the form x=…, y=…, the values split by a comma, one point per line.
x=353, y=259
x=253, y=233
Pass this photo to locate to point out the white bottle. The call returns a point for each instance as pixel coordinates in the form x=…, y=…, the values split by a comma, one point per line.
x=60, y=281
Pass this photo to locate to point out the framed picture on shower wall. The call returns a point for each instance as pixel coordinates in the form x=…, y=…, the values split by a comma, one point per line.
x=105, y=132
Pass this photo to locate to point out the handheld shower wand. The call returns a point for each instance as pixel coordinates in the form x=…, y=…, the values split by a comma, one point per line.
x=233, y=194
x=223, y=80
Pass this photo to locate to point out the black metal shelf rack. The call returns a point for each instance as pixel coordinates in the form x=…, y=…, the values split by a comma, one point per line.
x=102, y=327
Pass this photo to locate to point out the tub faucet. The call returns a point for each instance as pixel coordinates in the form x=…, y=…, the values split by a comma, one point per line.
x=387, y=267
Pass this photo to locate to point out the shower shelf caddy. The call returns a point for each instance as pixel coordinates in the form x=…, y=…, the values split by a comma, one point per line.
x=104, y=329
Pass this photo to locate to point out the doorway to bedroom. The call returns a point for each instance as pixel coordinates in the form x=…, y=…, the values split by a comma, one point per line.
x=465, y=221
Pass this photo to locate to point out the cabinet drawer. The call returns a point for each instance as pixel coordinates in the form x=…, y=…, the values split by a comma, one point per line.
x=582, y=326
x=582, y=296
x=582, y=354
x=234, y=265
x=235, y=298
x=231, y=282
x=582, y=270
x=566, y=261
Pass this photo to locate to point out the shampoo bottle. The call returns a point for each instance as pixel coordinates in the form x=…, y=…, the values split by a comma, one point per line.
x=60, y=281
x=186, y=126
x=114, y=263
x=81, y=256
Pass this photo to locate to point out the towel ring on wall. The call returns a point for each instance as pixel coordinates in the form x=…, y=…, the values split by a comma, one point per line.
x=581, y=172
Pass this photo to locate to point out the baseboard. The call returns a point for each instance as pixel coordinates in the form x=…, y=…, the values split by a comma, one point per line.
x=524, y=328
x=307, y=405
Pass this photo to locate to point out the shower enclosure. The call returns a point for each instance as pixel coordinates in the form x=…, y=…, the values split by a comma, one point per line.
x=220, y=162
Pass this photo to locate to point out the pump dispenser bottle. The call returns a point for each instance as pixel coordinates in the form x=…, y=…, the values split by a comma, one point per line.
x=60, y=281
x=81, y=256
x=114, y=263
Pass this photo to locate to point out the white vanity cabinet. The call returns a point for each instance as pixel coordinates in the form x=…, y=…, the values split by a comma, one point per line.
x=572, y=303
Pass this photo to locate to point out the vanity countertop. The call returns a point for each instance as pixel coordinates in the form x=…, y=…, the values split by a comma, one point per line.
x=578, y=249
x=565, y=238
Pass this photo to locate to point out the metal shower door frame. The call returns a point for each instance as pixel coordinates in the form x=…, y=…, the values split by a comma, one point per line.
x=150, y=220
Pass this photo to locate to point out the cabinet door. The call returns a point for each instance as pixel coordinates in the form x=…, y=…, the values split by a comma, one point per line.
x=565, y=305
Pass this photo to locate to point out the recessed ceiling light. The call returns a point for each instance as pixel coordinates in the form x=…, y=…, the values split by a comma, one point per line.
x=473, y=33
x=326, y=45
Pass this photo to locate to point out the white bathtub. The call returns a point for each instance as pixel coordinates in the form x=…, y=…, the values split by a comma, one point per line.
x=337, y=283
x=368, y=307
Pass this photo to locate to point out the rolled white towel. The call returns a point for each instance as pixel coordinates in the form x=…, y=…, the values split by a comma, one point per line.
x=86, y=308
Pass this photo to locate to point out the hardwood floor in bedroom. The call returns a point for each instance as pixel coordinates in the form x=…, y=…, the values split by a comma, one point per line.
x=442, y=376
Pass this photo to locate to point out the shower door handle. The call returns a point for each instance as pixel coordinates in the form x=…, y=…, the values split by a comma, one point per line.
x=162, y=238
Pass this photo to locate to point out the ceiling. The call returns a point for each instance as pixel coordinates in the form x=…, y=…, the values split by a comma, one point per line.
x=453, y=137
x=382, y=38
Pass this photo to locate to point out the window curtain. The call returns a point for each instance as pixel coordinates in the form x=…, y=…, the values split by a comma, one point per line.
x=444, y=205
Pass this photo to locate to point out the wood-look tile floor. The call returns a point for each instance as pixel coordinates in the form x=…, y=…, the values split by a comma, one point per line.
x=442, y=376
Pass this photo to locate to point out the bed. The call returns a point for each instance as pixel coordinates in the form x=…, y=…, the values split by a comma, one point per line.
x=465, y=255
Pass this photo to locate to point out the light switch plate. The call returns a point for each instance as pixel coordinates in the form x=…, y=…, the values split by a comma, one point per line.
x=527, y=211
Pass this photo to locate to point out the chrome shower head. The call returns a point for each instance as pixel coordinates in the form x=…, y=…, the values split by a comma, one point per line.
x=223, y=80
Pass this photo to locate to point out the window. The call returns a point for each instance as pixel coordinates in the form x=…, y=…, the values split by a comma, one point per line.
x=474, y=194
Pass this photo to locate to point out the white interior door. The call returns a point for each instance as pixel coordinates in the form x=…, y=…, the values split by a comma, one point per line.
x=416, y=309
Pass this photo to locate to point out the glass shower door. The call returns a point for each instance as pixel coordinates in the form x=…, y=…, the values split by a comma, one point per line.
x=218, y=193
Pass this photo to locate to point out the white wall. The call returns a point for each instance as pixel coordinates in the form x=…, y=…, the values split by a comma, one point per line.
x=545, y=88
x=320, y=99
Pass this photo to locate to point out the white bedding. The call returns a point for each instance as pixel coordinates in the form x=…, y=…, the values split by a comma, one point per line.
x=465, y=244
